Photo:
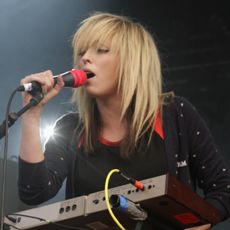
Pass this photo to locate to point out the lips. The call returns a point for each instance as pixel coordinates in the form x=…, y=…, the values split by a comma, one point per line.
x=88, y=72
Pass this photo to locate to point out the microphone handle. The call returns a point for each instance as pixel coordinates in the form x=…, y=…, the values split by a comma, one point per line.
x=68, y=79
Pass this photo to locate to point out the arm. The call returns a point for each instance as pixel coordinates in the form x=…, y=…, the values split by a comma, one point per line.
x=30, y=148
x=207, y=165
x=40, y=181
x=31, y=163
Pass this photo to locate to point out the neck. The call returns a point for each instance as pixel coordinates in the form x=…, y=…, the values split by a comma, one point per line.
x=112, y=127
x=109, y=109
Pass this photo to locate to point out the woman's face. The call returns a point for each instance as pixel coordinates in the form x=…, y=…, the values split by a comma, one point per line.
x=103, y=63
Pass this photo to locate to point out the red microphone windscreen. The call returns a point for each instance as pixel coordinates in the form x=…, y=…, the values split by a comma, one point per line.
x=80, y=77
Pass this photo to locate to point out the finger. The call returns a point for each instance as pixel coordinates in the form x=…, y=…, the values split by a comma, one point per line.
x=46, y=81
x=57, y=88
x=48, y=75
x=44, y=78
x=60, y=83
x=54, y=91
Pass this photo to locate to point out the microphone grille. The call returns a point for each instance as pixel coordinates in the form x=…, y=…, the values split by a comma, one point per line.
x=80, y=77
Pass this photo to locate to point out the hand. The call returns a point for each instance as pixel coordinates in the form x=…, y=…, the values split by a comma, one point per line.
x=201, y=227
x=47, y=83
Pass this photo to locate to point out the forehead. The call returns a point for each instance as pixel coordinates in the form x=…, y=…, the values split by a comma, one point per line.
x=95, y=36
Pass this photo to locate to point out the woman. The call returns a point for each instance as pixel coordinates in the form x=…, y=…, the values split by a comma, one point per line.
x=124, y=121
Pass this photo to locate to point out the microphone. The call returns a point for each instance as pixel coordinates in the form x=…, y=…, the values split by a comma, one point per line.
x=73, y=78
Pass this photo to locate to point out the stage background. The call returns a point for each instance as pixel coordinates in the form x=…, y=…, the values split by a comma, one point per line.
x=193, y=39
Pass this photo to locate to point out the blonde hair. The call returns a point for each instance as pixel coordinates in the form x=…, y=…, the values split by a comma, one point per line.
x=139, y=77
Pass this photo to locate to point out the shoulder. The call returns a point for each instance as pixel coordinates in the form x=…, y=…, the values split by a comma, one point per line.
x=68, y=117
x=64, y=128
x=177, y=103
x=170, y=99
x=180, y=109
x=67, y=121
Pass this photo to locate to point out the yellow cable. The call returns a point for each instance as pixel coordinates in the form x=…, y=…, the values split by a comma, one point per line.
x=107, y=198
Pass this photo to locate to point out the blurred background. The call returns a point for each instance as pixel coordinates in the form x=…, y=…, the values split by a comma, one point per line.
x=192, y=36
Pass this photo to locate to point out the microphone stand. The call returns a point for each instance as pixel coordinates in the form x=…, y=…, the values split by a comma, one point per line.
x=12, y=117
x=10, y=120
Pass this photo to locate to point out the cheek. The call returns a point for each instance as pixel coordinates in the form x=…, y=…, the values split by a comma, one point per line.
x=102, y=87
x=111, y=84
x=110, y=76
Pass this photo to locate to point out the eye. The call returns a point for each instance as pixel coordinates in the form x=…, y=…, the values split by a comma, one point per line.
x=81, y=53
x=102, y=50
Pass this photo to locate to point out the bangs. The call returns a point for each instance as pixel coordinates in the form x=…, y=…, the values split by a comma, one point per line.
x=96, y=34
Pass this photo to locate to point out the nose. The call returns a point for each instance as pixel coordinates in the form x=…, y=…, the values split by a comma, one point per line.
x=87, y=57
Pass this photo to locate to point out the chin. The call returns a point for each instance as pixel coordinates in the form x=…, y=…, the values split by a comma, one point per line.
x=91, y=91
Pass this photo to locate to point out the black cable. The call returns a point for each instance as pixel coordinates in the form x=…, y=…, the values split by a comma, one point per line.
x=133, y=181
x=47, y=221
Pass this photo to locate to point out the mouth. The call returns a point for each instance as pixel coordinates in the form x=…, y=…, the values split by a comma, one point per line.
x=89, y=73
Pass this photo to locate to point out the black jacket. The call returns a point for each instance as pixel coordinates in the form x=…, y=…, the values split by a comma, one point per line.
x=191, y=154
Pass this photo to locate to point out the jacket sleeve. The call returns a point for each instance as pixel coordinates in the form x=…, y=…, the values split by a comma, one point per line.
x=40, y=181
x=207, y=165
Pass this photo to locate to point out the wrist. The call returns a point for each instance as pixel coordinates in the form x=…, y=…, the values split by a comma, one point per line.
x=32, y=115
